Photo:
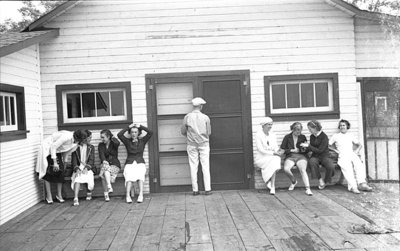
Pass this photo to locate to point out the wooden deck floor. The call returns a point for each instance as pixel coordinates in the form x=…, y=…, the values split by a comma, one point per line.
x=227, y=220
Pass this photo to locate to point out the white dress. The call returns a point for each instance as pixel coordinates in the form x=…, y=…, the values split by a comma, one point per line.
x=265, y=158
x=80, y=176
x=134, y=172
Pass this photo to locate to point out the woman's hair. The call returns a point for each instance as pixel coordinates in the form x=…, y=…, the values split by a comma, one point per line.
x=107, y=133
x=315, y=124
x=80, y=136
x=89, y=133
x=139, y=130
x=346, y=122
x=296, y=125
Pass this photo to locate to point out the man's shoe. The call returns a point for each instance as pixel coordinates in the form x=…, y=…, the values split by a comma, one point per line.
x=291, y=187
x=364, y=187
x=208, y=192
x=196, y=193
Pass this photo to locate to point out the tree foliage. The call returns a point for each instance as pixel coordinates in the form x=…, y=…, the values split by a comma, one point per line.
x=30, y=11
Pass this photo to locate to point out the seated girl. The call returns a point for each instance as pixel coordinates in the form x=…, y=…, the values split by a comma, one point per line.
x=110, y=165
x=267, y=157
x=352, y=168
x=295, y=155
x=83, y=164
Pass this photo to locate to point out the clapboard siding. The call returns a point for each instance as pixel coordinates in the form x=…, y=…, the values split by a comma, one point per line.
x=102, y=41
x=19, y=188
x=377, y=53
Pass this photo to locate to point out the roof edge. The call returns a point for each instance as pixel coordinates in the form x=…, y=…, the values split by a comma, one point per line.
x=37, y=24
x=356, y=12
x=9, y=49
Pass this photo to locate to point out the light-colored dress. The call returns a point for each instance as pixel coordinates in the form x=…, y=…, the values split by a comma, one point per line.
x=265, y=158
x=80, y=176
x=58, y=142
x=134, y=172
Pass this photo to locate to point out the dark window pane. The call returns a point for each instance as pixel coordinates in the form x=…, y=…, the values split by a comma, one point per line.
x=293, y=96
x=278, y=96
x=2, y=119
x=103, y=104
x=12, y=106
x=117, y=103
x=74, y=105
x=307, y=95
x=321, y=94
x=7, y=101
x=88, y=105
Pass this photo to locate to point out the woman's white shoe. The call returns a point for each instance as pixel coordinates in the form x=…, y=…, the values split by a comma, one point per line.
x=76, y=202
x=308, y=192
x=140, y=199
x=272, y=191
x=128, y=199
x=291, y=187
x=106, y=197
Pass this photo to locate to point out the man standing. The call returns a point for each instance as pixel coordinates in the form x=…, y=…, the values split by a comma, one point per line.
x=197, y=129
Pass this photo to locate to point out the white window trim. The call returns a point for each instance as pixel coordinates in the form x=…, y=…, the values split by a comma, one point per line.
x=92, y=119
x=7, y=128
x=305, y=109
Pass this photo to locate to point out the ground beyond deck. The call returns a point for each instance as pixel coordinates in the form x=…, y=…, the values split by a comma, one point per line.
x=226, y=220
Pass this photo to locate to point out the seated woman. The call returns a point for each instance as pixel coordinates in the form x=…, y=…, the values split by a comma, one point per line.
x=295, y=155
x=83, y=165
x=348, y=160
x=318, y=147
x=51, y=158
x=135, y=168
x=110, y=165
x=267, y=157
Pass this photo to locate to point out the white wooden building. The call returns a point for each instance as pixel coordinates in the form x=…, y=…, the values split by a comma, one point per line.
x=115, y=62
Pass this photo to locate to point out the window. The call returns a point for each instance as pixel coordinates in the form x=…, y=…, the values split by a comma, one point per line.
x=94, y=106
x=12, y=113
x=8, y=111
x=302, y=96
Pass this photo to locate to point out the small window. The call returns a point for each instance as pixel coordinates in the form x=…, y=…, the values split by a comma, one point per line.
x=12, y=113
x=8, y=111
x=302, y=95
x=94, y=104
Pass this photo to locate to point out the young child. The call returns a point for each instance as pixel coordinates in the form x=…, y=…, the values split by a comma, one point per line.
x=83, y=163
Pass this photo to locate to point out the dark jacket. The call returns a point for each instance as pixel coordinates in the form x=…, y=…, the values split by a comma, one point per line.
x=319, y=145
x=288, y=144
x=110, y=154
x=76, y=158
x=135, y=149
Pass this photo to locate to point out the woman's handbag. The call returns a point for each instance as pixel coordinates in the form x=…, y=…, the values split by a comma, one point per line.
x=50, y=167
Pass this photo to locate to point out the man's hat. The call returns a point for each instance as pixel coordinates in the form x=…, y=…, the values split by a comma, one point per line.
x=198, y=101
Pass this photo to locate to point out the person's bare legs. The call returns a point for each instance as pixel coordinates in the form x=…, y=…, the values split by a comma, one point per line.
x=107, y=176
x=287, y=167
x=59, y=190
x=49, y=196
x=128, y=191
x=272, y=180
x=140, y=197
x=76, y=190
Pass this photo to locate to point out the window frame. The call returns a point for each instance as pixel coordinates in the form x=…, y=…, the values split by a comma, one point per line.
x=7, y=128
x=91, y=122
x=20, y=131
x=306, y=113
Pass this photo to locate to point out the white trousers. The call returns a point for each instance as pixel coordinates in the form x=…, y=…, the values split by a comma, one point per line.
x=352, y=168
x=199, y=153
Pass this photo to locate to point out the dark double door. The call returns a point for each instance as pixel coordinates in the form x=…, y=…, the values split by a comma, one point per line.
x=228, y=106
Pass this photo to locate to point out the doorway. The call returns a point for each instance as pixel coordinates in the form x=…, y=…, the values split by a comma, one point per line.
x=228, y=105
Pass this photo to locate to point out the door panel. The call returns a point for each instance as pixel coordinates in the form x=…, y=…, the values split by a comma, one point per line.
x=228, y=106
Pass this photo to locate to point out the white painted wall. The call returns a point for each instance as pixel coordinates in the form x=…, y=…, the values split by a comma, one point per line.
x=19, y=186
x=110, y=41
x=377, y=51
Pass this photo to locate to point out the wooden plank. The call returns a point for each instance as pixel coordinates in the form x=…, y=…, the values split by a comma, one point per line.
x=371, y=159
x=103, y=238
x=64, y=219
x=39, y=240
x=59, y=241
x=157, y=205
x=126, y=234
x=305, y=239
x=148, y=236
x=393, y=156
x=284, y=244
x=252, y=235
x=200, y=247
x=197, y=229
x=100, y=216
x=84, y=216
x=223, y=230
x=173, y=232
x=11, y=223
x=381, y=160
x=330, y=236
x=14, y=241
x=80, y=238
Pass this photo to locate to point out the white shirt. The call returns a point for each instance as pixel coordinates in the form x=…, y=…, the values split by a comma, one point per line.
x=196, y=127
x=266, y=144
x=344, y=142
